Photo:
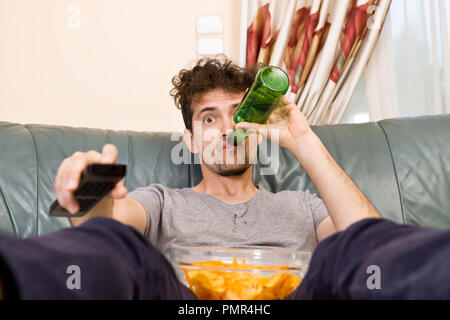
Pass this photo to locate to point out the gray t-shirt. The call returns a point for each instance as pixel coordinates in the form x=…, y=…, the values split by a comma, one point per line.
x=286, y=219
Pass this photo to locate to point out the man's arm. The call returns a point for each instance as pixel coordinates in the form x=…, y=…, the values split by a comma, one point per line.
x=114, y=205
x=345, y=202
x=127, y=211
x=325, y=229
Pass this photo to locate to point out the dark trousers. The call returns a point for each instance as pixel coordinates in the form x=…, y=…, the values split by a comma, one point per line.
x=374, y=258
x=379, y=259
x=111, y=261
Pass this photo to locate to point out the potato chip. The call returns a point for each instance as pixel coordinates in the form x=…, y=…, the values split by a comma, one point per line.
x=211, y=283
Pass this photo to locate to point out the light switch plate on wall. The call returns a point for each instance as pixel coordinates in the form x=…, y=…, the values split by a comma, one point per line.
x=206, y=46
x=209, y=35
x=209, y=24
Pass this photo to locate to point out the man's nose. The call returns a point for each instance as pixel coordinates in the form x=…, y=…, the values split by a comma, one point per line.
x=227, y=124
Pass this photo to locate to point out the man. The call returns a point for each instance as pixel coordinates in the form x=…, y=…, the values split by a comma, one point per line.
x=208, y=94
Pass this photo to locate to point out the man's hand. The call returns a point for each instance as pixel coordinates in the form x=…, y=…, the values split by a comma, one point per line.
x=69, y=174
x=345, y=202
x=287, y=119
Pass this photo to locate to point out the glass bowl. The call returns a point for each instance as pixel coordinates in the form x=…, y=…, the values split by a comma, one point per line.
x=217, y=273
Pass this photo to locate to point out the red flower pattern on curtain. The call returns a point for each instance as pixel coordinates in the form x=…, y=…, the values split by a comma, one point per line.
x=323, y=45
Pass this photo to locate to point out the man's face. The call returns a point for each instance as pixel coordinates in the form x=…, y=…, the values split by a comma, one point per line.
x=212, y=123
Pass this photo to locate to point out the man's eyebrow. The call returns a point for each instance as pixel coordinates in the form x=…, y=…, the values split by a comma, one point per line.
x=234, y=105
x=205, y=110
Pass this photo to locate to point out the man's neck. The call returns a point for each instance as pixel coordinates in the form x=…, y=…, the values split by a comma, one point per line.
x=231, y=187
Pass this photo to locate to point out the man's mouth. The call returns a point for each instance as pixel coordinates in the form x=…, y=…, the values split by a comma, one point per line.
x=226, y=145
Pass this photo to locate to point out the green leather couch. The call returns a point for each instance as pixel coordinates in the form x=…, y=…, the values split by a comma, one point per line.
x=402, y=165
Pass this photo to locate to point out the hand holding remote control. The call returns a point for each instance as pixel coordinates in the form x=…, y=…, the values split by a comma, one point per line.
x=86, y=176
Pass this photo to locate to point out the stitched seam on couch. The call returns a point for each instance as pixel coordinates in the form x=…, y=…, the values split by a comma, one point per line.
x=37, y=178
x=395, y=170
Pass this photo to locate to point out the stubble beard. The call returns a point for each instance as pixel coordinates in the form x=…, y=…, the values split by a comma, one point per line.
x=235, y=167
x=226, y=170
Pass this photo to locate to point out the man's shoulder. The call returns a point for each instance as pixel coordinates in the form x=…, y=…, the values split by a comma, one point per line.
x=291, y=193
x=161, y=187
x=162, y=190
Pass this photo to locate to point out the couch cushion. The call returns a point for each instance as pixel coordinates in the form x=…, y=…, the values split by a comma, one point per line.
x=420, y=149
x=18, y=181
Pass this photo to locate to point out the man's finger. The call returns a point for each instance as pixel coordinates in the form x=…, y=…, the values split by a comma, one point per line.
x=286, y=101
x=109, y=154
x=78, y=162
x=119, y=191
x=253, y=128
x=67, y=200
x=61, y=168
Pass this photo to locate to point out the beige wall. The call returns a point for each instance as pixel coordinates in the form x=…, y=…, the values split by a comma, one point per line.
x=114, y=72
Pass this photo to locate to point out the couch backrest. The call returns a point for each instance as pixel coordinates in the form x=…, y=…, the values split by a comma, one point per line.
x=420, y=151
x=402, y=165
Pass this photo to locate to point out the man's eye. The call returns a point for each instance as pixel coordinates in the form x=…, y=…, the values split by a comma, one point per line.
x=208, y=120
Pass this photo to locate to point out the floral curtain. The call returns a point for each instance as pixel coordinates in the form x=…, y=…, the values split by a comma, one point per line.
x=323, y=45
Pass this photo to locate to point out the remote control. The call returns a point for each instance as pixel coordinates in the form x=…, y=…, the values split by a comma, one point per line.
x=96, y=182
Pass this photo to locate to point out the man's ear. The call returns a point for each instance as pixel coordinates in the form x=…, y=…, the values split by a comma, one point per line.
x=189, y=140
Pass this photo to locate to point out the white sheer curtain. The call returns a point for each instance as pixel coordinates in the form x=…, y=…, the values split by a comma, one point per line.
x=409, y=72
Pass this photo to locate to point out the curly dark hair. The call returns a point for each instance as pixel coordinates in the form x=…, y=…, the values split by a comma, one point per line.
x=208, y=74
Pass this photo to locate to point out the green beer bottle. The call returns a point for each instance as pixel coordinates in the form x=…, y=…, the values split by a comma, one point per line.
x=271, y=83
